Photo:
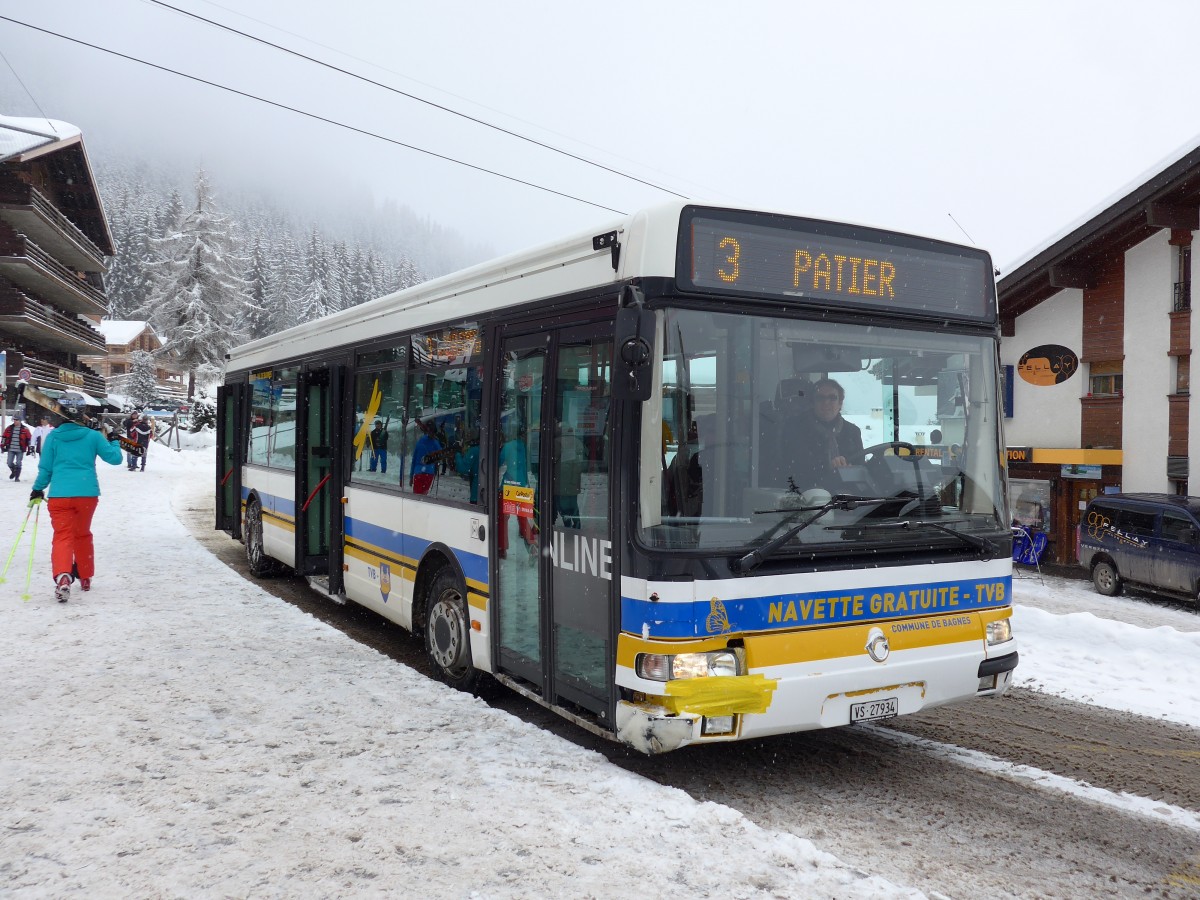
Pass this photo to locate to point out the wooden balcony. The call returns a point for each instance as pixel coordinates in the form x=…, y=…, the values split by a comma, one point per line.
x=43, y=325
x=35, y=271
x=57, y=378
x=29, y=212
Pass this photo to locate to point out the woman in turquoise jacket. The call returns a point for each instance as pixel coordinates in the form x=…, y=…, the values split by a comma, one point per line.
x=68, y=467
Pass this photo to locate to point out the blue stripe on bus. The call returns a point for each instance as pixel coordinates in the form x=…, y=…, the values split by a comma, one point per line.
x=272, y=502
x=780, y=612
x=407, y=546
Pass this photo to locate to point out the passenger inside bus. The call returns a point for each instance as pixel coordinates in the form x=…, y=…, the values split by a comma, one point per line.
x=421, y=472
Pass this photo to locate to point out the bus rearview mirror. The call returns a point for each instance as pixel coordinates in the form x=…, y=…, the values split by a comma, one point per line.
x=634, y=343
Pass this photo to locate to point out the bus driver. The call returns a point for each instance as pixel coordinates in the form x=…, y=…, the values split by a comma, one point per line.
x=822, y=441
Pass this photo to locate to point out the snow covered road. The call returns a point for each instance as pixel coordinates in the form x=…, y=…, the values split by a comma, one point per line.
x=182, y=732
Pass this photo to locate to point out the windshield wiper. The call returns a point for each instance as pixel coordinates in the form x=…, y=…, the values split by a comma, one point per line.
x=987, y=550
x=754, y=558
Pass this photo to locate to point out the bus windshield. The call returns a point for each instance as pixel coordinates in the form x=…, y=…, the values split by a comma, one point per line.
x=886, y=437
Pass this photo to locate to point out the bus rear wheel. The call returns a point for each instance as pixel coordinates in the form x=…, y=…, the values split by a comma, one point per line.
x=448, y=632
x=261, y=565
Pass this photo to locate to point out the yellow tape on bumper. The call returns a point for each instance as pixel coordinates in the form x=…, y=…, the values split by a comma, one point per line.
x=720, y=696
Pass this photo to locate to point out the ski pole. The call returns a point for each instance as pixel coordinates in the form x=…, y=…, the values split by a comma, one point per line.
x=32, y=543
x=13, y=552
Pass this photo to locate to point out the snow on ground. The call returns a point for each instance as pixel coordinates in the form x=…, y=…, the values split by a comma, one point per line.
x=179, y=732
x=1130, y=653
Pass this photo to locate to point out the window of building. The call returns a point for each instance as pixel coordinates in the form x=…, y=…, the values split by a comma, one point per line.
x=1030, y=503
x=1105, y=379
x=1183, y=277
x=1183, y=366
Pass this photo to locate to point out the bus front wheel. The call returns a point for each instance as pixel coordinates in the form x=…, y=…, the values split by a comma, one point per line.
x=448, y=632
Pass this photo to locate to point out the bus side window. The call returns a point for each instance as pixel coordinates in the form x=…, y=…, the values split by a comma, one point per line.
x=442, y=448
x=581, y=438
x=374, y=453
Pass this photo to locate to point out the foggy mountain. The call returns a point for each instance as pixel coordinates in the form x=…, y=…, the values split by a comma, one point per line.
x=302, y=256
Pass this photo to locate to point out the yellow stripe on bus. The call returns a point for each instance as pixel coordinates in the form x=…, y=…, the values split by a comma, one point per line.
x=382, y=554
x=477, y=591
x=276, y=520
x=783, y=648
x=764, y=650
x=374, y=559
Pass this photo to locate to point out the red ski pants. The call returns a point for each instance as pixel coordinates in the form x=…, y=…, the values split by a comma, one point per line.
x=524, y=528
x=72, y=547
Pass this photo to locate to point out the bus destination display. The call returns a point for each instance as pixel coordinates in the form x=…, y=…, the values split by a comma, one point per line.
x=836, y=264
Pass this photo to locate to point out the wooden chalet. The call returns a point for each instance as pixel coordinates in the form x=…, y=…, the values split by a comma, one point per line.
x=54, y=242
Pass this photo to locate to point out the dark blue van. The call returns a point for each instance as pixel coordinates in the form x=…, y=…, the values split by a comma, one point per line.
x=1151, y=540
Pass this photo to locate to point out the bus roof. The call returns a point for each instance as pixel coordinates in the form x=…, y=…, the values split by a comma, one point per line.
x=648, y=248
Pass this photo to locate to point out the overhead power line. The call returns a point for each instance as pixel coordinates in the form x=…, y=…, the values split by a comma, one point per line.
x=309, y=115
x=307, y=39
x=395, y=90
x=26, y=89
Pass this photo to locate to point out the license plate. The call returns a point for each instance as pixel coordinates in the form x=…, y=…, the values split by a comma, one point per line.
x=874, y=709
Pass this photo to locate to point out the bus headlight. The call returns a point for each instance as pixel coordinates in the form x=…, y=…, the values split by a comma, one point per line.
x=664, y=667
x=654, y=666
x=999, y=631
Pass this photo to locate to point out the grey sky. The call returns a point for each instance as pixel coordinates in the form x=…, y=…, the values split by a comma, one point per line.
x=1014, y=117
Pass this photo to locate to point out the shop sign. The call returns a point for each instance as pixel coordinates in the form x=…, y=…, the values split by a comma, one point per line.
x=1077, y=470
x=1048, y=364
x=1020, y=454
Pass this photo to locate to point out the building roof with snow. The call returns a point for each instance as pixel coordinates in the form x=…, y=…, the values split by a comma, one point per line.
x=122, y=332
x=33, y=137
x=1165, y=197
x=25, y=140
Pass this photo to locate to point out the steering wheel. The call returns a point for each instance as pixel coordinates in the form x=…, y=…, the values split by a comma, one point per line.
x=877, y=449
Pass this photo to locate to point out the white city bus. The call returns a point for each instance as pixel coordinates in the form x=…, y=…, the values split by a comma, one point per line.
x=594, y=472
